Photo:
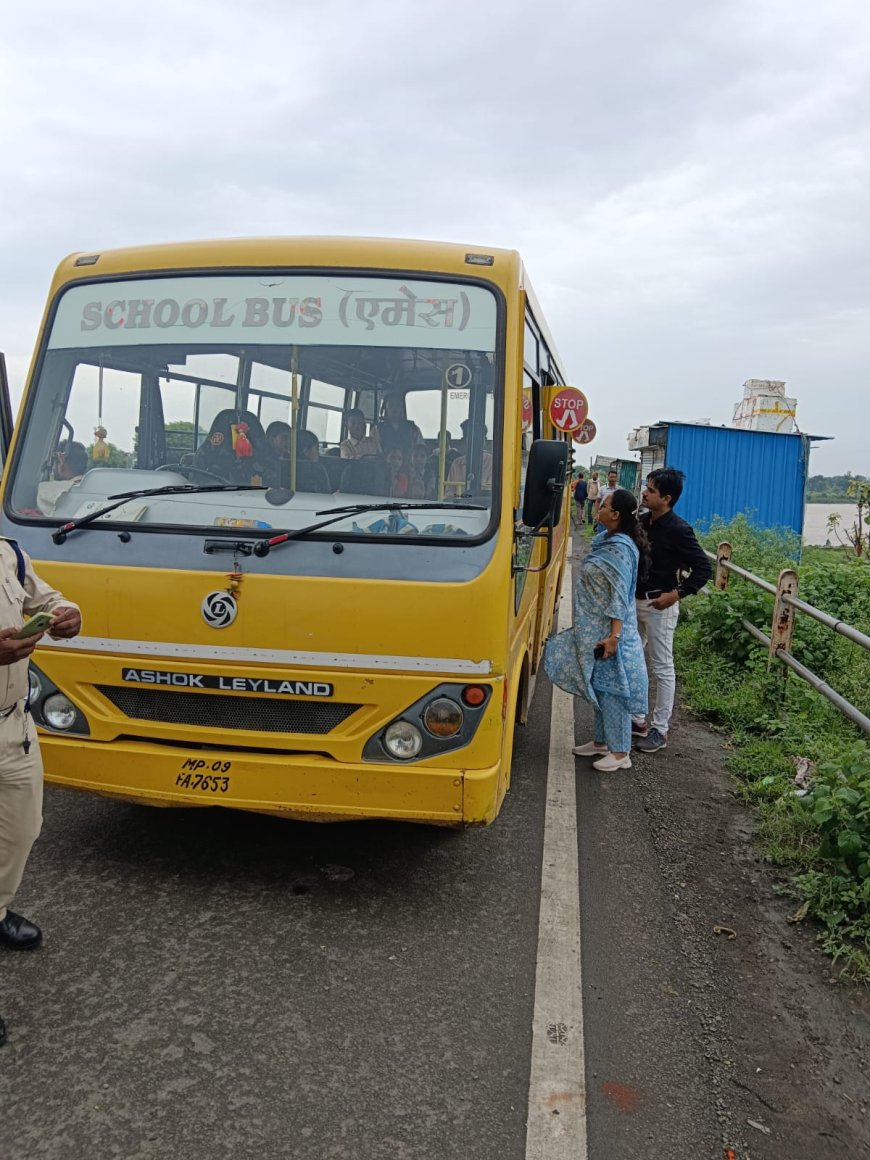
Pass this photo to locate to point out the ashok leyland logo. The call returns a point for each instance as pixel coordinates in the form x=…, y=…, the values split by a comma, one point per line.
x=219, y=609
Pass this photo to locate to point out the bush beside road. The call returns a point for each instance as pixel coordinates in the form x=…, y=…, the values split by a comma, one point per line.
x=796, y=759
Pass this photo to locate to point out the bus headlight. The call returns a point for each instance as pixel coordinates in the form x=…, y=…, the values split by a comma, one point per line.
x=59, y=712
x=50, y=708
x=403, y=740
x=443, y=717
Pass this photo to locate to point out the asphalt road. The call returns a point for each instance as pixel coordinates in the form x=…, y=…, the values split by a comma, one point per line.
x=222, y=985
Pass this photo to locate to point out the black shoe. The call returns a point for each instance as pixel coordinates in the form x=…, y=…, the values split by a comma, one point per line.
x=653, y=742
x=19, y=934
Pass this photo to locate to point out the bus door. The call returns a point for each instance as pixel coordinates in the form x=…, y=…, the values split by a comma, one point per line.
x=549, y=580
x=5, y=412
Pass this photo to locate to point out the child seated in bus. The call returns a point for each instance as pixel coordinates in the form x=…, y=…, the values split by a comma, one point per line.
x=418, y=484
x=311, y=475
x=400, y=482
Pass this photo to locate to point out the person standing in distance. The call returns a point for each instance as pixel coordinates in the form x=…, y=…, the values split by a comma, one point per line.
x=592, y=490
x=609, y=488
x=581, y=490
x=678, y=568
x=21, y=593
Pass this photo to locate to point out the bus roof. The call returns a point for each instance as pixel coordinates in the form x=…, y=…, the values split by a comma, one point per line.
x=397, y=253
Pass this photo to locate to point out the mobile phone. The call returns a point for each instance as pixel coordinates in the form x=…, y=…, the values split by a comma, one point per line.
x=654, y=593
x=36, y=624
x=598, y=651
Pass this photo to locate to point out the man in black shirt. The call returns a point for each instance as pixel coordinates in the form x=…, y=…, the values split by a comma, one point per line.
x=678, y=568
x=581, y=491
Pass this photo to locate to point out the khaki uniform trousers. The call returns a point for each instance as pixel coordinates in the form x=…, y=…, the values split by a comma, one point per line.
x=20, y=800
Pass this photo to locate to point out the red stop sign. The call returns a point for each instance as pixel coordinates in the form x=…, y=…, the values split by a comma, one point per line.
x=569, y=409
x=527, y=410
x=586, y=433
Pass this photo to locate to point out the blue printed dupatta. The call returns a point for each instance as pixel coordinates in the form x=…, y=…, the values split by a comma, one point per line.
x=604, y=589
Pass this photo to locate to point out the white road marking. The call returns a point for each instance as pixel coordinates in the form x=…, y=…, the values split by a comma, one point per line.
x=556, y=1124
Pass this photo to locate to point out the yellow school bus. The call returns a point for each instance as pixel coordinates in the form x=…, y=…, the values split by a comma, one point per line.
x=309, y=499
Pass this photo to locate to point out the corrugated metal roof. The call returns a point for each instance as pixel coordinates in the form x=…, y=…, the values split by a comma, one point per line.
x=729, y=472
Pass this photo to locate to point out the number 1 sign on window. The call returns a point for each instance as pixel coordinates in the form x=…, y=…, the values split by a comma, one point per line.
x=458, y=376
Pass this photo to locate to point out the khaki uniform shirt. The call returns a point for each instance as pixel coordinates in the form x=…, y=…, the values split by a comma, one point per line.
x=15, y=602
x=356, y=448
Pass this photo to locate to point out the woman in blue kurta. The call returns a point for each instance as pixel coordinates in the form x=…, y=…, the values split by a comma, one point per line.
x=615, y=684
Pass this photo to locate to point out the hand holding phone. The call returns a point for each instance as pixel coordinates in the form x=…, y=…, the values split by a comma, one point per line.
x=598, y=651
x=38, y=623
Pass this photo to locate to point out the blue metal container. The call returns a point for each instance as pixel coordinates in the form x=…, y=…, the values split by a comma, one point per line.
x=729, y=471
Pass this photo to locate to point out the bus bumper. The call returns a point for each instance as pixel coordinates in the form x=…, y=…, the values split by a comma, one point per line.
x=307, y=787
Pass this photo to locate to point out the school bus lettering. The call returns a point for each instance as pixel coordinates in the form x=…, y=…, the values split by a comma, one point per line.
x=145, y=313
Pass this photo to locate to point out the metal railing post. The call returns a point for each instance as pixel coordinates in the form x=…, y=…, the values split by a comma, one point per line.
x=723, y=555
x=786, y=604
x=782, y=625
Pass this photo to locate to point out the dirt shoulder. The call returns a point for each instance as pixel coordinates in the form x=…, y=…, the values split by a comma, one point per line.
x=733, y=1031
x=788, y=1042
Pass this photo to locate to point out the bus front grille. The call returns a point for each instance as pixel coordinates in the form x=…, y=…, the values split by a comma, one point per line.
x=258, y=714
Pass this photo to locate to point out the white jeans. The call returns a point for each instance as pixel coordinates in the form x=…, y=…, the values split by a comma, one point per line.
x=657, y=630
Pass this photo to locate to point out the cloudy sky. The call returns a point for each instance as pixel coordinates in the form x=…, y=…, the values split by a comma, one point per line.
x=688, y=182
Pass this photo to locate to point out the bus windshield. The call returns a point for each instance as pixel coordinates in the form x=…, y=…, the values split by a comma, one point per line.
x=326, y=389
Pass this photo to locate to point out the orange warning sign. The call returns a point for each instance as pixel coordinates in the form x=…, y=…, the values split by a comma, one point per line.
x=569, y=409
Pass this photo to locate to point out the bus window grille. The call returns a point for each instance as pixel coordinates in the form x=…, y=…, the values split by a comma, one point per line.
x=257, y=714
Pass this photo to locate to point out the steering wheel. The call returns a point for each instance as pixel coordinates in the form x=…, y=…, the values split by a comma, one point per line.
x=186, y=468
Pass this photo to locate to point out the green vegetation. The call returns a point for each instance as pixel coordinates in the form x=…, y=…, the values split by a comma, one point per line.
x=180, y=440
x=854, y=536
x=796, y=759
x=830, y=488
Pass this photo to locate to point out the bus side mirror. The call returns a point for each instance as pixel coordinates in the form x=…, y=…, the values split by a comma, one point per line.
x=546, y=475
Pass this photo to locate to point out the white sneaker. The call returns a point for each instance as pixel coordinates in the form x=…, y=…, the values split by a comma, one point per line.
x=590, y=749
x=609, y=763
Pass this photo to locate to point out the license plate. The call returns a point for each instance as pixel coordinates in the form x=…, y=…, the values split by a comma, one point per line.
x=207, y=777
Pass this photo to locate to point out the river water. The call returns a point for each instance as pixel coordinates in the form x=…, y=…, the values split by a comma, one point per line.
x=816, y=521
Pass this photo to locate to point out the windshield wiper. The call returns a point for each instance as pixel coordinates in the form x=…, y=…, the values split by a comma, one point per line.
x=121, y=498
x=264, y=547
x=398, y=505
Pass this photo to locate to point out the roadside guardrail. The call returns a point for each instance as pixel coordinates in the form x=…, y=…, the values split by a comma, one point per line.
x=785, y=607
